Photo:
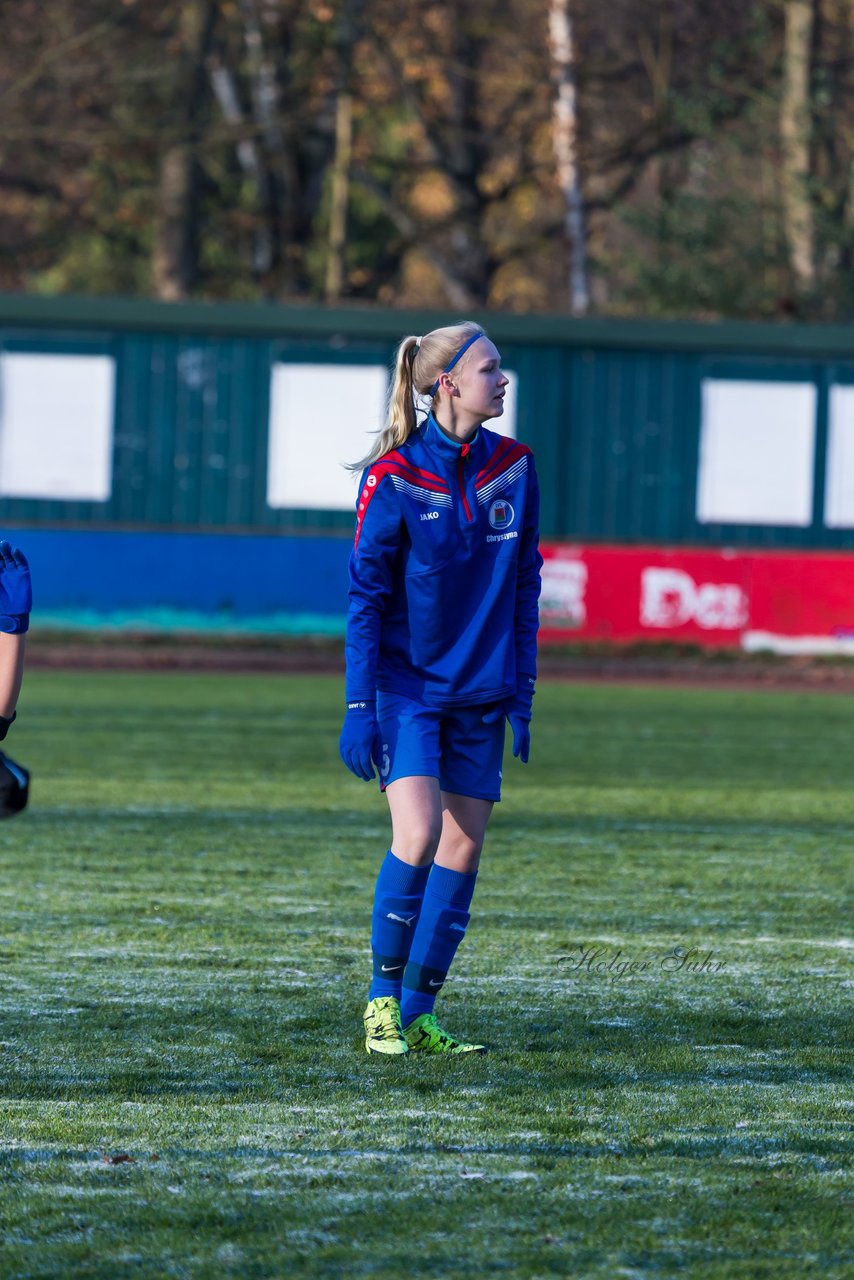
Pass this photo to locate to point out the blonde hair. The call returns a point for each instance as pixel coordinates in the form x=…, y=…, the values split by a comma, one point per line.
x=417, y=366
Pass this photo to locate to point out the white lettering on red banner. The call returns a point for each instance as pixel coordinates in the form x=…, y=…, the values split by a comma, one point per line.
x=792, y=602
x=670, y=598
x=562, y=596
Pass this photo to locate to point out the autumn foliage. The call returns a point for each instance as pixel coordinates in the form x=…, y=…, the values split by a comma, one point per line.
x=364, y=150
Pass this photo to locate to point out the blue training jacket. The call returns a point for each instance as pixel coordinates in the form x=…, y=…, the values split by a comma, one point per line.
x=445, y=571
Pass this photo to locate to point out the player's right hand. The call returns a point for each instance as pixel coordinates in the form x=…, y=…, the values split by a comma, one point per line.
x=360, y=744
x=16, y=592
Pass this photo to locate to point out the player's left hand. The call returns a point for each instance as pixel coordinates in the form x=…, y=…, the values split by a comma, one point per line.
x=16, y=592
x=518, y=711
x=360, y=745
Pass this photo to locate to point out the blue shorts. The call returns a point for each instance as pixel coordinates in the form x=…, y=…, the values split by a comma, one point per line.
x=449, y=743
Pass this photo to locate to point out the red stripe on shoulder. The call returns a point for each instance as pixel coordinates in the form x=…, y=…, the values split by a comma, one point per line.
x=415, y=474
x=372, y=482
x=394, y=464
x=507, y=452
x=500, y=452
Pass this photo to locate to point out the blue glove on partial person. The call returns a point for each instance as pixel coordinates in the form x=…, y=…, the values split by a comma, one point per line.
x=360, y=743
x=518, y=711
x=16, y=592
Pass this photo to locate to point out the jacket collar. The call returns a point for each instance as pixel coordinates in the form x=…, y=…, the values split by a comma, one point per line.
x=447, y=447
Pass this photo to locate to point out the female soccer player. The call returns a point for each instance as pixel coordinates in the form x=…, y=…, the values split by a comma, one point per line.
x=16, y=601
x=441, y=648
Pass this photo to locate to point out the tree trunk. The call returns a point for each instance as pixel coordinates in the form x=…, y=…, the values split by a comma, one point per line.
x=270, y=122
x=565, y=135
x=346, y=35
x=340, y=197
x=250, y=161
x=174, y=256
x=464, y=158
x=173, y=261
x=795, y=129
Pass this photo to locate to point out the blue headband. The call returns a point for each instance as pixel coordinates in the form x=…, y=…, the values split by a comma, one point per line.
x=448, y=367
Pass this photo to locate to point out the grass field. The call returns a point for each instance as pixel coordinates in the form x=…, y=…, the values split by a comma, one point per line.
x=184, y=951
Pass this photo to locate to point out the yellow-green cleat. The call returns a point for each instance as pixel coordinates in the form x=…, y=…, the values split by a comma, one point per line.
x=382, y=1026
x=424, y=1035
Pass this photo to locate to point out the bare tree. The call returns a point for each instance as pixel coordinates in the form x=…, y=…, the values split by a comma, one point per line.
x=464, y=87
x=343, y=157
x=280, y=195
x=174, y=258
x=565, y=133
x=249, y=158
x=795, y=130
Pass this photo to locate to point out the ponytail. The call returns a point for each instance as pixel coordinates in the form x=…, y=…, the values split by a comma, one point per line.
x=401, y=407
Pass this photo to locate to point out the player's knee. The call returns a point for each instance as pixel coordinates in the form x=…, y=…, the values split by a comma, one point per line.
x=418, y=842
x=461, y=852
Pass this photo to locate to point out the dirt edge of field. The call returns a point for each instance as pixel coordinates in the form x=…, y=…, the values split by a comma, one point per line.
x=104, y=651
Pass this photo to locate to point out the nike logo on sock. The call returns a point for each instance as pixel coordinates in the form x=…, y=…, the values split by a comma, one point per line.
x=461, y=927
x=388, y=968
x=435, y=984
x=401, y=919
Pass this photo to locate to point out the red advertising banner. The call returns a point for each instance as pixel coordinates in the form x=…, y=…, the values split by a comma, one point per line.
x=797, y=602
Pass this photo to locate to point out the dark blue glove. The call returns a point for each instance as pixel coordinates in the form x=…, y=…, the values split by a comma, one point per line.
x=518, y=710
x=16, y=592
x=360, y=743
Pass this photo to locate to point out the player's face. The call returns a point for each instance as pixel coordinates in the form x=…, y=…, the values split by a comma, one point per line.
x=481, y=383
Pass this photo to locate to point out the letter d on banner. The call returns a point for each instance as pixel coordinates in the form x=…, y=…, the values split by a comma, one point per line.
x=668, y=598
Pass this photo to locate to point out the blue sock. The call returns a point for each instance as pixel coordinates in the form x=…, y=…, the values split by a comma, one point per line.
x=441, y=929
x=397, y=905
